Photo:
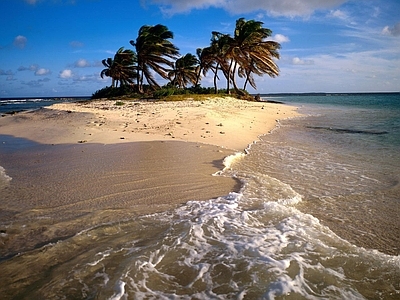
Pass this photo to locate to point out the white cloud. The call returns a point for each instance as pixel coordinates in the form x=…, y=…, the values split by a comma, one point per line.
x=42, y=71
x=299, y=61
x=280, y=38
x=348, y=72
x=66, y=74
x=338, y=14
x=20, y=41
x=87, y=78
x=394, y=31
x=287, y=8
x=82, y=63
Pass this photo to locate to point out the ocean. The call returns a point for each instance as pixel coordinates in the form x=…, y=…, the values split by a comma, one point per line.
x=14, y=105
x=317, y=217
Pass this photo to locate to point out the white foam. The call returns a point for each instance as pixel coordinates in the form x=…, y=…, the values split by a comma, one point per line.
x=4, y=178
x=119, y=291
x=231, y=159
x=221, y=248
x=102, y=256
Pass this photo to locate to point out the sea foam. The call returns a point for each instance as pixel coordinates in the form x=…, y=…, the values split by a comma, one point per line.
x=4, y=178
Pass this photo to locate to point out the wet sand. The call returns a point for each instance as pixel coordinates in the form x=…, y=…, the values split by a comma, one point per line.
x=76, y=166
x=57, y=191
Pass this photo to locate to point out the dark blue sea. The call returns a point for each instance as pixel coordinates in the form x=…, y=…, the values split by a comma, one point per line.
x=317, y=217
x=14, y=105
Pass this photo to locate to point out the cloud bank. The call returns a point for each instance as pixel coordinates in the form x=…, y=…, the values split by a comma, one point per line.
x=288, y=8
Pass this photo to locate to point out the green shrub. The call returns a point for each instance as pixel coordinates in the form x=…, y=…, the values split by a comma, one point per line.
x=110, y=92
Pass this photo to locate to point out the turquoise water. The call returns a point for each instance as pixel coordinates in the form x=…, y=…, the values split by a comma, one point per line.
x=377, y=116
x=345, y=155
x=316, y=218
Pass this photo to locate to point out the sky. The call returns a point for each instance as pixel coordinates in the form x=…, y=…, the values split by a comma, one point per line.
x=54, y=48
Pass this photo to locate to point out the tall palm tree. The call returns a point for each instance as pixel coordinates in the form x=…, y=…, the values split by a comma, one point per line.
x=251, y=53
x=261, y=61
x=214, y=57
x=185, y=71
x=121, y=69
x=153, y=49
x=201, y=66
x=246, y=53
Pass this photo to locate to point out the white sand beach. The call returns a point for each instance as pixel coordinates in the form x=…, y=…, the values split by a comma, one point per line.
x=225, y=122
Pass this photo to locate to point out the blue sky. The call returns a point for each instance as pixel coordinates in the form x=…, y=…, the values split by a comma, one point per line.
x=55, y=47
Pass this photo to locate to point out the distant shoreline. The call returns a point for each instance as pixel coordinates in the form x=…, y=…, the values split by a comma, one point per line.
x=329, y=94
x=66, y=98
x=69, y=98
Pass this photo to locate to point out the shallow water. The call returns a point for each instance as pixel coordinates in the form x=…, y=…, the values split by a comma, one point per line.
x=316, y=218
x=344, y=159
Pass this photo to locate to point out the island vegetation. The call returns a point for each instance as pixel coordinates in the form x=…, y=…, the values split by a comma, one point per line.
x=247, y=53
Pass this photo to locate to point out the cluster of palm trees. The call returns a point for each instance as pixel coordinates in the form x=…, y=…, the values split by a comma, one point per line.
x=245, y=54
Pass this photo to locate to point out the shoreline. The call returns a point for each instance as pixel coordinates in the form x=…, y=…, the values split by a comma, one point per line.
x=79, y=165
x=224, y=122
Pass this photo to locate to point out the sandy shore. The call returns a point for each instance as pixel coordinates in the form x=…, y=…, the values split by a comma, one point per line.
x=77, y=165
x=224, y=122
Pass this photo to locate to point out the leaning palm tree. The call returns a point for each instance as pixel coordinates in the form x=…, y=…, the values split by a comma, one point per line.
x=214, y=57
x=260, y=62
x=201, y=66
x=246, y=53
x=250, y=52
x=185, y=71
x=121, y=69
x=153, y=49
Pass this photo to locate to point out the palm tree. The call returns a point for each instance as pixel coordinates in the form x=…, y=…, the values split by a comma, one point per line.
x=201, y=66
x=185, y=71
x=246, y=53
x=214, y=57
x=251, y=53
x=121, y=69
x=261, y=62
x=153, y=49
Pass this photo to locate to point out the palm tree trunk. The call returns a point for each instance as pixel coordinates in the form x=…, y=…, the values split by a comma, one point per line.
x=138, y=80
x=247, y=79
x=198, y=76
x=228, y=76
x=234, y=78
x=245, y=83
x=141, y=91
x=215, y=79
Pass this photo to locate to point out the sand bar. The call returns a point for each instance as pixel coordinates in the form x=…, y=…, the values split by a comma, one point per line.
x=78, y=165
x=224, y=122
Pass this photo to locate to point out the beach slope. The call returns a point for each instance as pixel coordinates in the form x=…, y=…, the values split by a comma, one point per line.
x=77, y=165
